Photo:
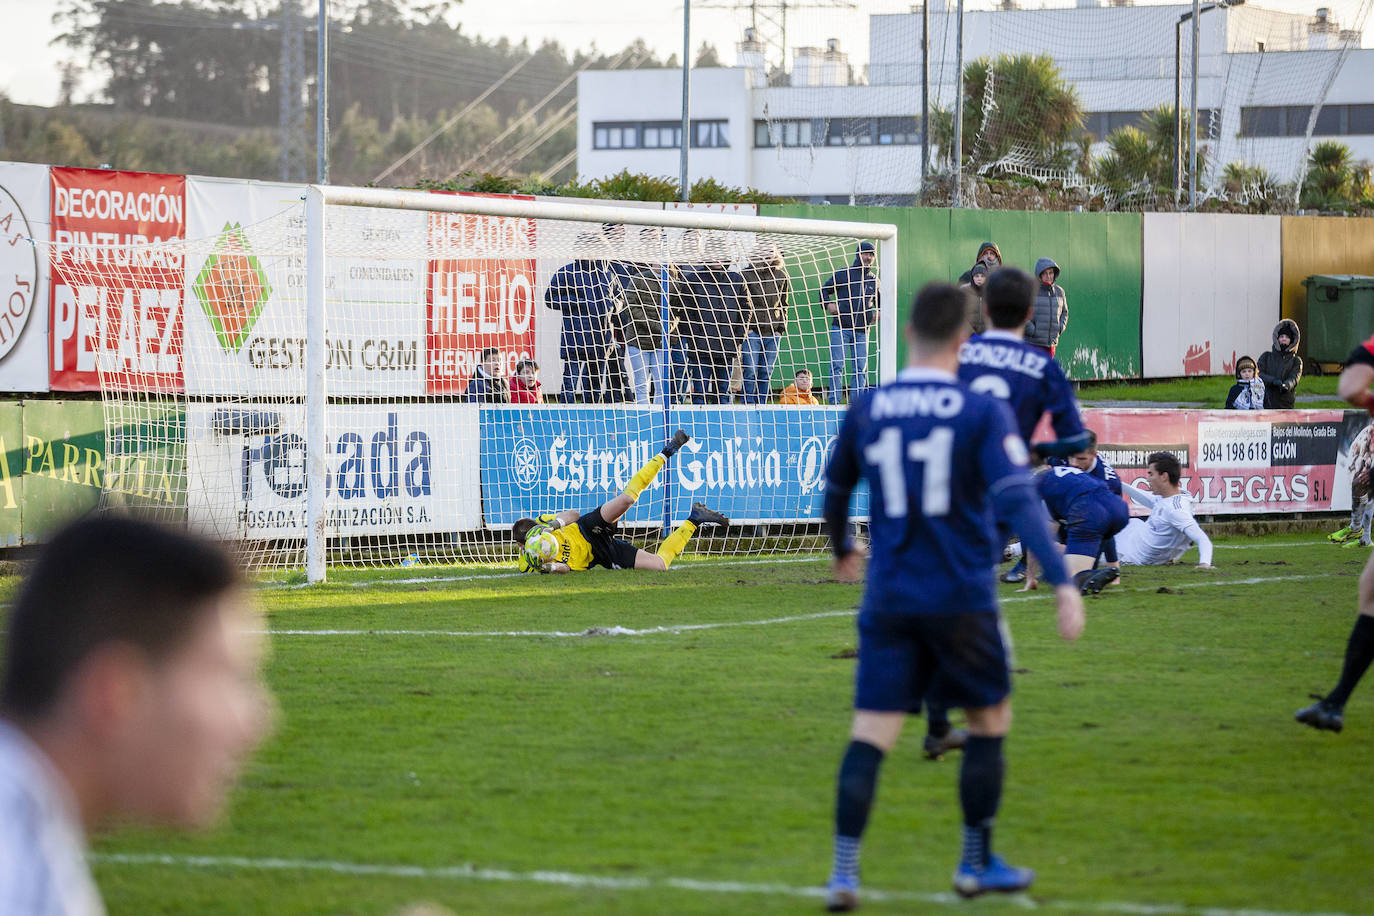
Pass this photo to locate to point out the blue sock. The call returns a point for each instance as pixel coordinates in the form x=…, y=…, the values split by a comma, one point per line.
x=857, y=782
x=980, y=794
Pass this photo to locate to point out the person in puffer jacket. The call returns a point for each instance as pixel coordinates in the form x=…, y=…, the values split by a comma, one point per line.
x=1281, y=368
x=1051, y=315
x=850, y=297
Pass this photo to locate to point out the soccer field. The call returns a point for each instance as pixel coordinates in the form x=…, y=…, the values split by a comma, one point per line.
x=667, y=743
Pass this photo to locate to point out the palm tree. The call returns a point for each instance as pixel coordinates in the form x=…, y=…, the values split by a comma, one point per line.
x=1013, y=103
x=1144, y=155
x=1334, y=180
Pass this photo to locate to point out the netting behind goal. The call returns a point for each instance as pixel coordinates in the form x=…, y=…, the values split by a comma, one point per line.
x=479, y=369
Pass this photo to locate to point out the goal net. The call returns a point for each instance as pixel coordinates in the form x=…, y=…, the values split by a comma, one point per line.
x=464, y=362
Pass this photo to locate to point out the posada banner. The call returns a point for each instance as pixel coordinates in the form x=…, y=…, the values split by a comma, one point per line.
x=110, y=301
x=1243, y=462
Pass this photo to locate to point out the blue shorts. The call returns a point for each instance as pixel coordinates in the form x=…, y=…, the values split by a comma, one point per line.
x=959, y=660
x=1092, y=523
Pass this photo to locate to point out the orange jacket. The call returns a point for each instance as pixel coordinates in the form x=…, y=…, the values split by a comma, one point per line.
x=790, y=395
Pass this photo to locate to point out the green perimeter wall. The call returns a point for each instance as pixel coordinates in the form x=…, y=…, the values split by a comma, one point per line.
x=1099, y=256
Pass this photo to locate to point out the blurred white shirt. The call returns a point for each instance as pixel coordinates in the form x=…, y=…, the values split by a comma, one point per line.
x=43, y=870
x=1165, y=535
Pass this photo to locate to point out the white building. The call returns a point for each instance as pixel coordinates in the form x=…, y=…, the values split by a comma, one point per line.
x=832, y=135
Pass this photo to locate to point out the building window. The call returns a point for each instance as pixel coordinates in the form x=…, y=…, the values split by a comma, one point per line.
x=1291, y=121
x=662, y=134
x=837, y=132
x=616, y=135
x=898, y=132
x=710, y=134
x=1102, y=124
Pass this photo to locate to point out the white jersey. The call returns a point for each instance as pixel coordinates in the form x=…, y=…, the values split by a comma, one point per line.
x=1165, y=535
x=43, y=869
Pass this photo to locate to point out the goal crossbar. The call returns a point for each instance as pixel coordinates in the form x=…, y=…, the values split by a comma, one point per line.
x=318, y=197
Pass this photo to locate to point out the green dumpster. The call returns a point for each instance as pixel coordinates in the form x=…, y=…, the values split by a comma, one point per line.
x=1340, y=314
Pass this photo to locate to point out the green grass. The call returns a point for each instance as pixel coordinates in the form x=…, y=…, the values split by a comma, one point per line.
x=1202, y=391
x=1155, y=762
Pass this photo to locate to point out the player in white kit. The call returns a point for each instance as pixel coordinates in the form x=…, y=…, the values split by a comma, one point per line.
x=1170, y=529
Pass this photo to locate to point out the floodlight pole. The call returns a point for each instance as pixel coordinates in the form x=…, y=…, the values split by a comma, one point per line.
x=959, y=109
x=685, y=192
x=322, y=97
x=925, y=97
x=1192, y=115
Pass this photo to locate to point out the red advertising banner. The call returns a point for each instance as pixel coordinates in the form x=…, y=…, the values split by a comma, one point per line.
x=484, y=298
x=122, y=304
x=1241, y=462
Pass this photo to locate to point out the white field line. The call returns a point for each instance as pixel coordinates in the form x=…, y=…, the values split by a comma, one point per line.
x=769, y=621
x=469, y=872
x=498, y=574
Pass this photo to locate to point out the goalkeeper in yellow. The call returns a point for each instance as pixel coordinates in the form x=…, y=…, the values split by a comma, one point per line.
x=588, y=539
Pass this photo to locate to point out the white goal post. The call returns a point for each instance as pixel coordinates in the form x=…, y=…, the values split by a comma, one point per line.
x=319, y=197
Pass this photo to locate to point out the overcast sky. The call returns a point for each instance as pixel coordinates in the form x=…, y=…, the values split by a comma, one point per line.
x=29, y=74
x=29, y=63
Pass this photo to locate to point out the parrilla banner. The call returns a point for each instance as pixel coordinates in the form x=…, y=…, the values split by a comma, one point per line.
x=753, y=465
x=111, y=302
x=1244, y=462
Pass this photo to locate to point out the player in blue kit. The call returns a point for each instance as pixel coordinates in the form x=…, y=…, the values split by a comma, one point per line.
x=939, y=460
x=999, y=362
x=1089, y=462
x=1090, y=516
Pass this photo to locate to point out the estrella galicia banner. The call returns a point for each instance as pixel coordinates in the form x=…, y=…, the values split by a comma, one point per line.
x=755, y=465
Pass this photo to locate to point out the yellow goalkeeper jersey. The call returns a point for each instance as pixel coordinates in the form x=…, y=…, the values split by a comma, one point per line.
x=573, y=548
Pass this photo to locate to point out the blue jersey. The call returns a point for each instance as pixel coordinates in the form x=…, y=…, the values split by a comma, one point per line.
x=1027, y=378
x=1100, y=469
x=1062, y=485
x=935, y=455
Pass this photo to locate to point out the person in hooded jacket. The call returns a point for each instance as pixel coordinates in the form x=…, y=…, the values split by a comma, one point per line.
x=1051, y=315
x=850, y=297
x=978, y=280
x=1281, y=368
x=1248, y=391
x=588, y=293
x=765, y=320
x=989, y=255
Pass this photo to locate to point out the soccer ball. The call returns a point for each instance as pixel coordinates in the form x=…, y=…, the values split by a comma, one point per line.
x=542, y=544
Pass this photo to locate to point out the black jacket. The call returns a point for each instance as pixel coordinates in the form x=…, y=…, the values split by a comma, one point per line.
x=707, y=302
x=639, y=318
x=1281, y=368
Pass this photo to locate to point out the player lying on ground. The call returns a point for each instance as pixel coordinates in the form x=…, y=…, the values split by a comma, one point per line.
x=939, y=459
x=588, y=539
x=1170, y=529
x=1090, y=514
x=1329, y=711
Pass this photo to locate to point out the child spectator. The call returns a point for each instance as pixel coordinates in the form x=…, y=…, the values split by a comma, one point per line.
x=799, y=392
x=1281, y=368
x=486, y=385
x=1248, y=391
x=1051, y=315
x=525, y=387
x=978, y=278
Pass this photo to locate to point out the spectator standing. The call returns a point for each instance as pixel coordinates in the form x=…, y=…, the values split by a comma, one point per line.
x=487, y=384
x=989, y=256
x=978, y=279
x=639, y=321
x=850, y=296
x=1281, y=368
x=1248, y=391
x=765, y=320
x=1051, y=315
x=799, y=392
x=587, y=293
x=711, y=299
x=525, y=387
x=131, y=691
